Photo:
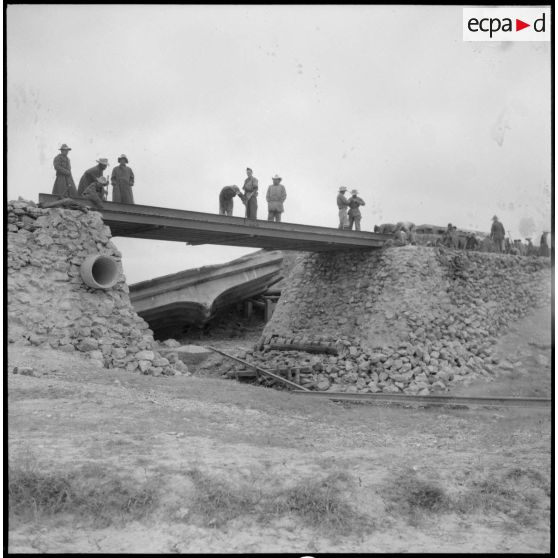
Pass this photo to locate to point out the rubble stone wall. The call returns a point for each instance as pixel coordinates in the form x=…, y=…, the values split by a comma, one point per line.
x=410, y=319
x=50, y=305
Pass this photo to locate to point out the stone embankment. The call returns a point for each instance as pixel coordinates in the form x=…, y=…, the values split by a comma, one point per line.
x=411, y=319
x=50, y=305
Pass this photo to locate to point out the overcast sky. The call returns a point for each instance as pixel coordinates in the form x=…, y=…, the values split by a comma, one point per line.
x=385, y=99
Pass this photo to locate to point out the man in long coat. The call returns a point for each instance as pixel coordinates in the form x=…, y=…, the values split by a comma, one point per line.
x=497, y=234
x=354, y=212
x=122, y=180
x=64, y=185
x=226, y=201
x=276, y=195
x=92, y=174
x=251, y=192
x=342, y=204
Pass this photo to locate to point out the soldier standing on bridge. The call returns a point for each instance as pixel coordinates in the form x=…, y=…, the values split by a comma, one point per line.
x=122, y=180
x=226, y=199
x=354, y=212
x=64, y=185
x=251, y=191
x=276, y=195
x=91, y=175
x=342, y=204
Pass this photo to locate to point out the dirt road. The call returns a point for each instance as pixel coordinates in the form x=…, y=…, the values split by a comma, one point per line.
x=488, y=469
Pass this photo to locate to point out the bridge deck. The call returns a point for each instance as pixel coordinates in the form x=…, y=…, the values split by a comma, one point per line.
x=162, y=223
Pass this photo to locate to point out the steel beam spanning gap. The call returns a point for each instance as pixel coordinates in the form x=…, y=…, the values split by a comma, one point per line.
x=229, y=238
x=138, y=230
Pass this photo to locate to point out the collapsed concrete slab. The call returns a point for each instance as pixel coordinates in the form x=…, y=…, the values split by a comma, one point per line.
x=193, y=296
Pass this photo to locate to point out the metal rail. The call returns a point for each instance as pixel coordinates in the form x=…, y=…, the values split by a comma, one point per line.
x=298, y=387
x=429, y=399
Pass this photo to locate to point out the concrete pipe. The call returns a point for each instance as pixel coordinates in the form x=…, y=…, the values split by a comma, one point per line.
x=99, y=272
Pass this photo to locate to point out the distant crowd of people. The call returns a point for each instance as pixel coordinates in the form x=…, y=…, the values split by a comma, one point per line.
x=406, y=233
x=93, y=185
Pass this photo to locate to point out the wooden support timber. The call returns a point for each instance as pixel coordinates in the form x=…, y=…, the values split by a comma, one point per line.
x=261, y=370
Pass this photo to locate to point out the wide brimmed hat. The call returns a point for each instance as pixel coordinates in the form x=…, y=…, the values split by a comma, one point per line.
x=122, y=157
x=342, y=188
x=276, y=177
x=64, y=146
x=103, y=161
x=354, y=192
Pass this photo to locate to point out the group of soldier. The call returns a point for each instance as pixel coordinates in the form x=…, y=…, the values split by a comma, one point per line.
x=405, y=232
x=93, y=185
x=275, y=197
x=349, y=212
x=496, y=241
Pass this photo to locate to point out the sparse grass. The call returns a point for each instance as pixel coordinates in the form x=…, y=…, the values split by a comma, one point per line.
x=410, y=496
x=90, y=493
x=317, y=503
x=216, y=503
x=519, y=494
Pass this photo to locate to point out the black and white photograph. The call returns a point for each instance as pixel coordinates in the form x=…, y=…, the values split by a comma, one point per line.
x=279, y=278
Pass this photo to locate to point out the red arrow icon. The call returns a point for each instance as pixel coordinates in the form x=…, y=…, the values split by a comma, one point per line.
x=519, y=25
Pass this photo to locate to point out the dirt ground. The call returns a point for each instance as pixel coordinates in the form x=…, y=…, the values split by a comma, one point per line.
x=73, y=414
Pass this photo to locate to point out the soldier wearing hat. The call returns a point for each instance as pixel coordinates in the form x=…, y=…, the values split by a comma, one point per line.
x=91, y=175
x=96, y=192
x=226, y=200
x=122, y=180
x=342, y=204
x=251, y=195
x=276, y=195
x=354, y=212
x=64, y=185
x=497, y=234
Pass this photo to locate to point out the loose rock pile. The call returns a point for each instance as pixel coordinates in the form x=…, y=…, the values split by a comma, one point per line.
x=50, y=305
x=411, y=319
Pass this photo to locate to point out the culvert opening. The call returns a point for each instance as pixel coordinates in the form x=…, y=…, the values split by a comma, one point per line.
x=99, y=272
